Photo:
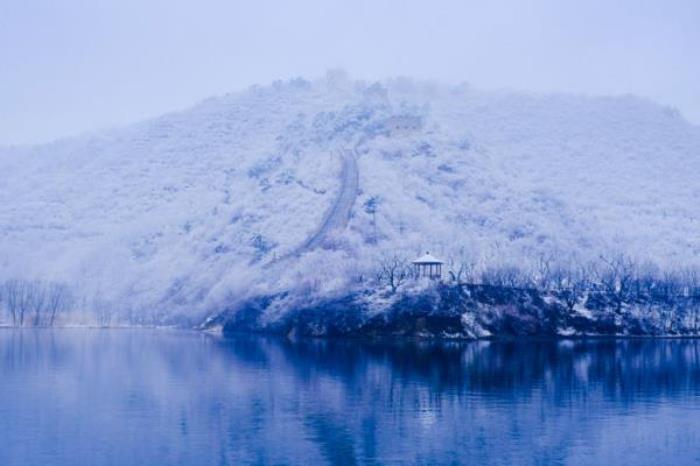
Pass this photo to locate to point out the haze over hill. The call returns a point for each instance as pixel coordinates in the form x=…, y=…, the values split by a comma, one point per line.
x=306, y=184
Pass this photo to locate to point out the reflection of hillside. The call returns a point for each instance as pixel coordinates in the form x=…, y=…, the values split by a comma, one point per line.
x=621, y=369
x=472, y=399
x=186, y=398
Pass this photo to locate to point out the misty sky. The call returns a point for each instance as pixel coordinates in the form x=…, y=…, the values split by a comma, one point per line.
x=69, y=66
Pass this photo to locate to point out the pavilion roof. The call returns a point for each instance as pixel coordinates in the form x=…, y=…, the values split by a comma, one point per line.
x=428, y=258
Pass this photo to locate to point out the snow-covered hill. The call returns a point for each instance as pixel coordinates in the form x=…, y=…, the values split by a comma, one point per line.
x=307, y=184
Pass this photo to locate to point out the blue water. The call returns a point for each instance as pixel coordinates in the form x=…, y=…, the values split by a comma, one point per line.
x=142, y=397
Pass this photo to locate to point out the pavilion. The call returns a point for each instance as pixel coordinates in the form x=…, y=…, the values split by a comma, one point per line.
x=428, y=266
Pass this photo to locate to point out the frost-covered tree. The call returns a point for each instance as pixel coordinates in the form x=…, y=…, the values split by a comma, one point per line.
x=393, y=270
x=571, y=281
x=460, y=267
x=58, y=301
x=10, y=297
x=18, y=297
x=544, y=271
x=503, y=276
x=371, y=206
x=616, y=276
x=37, y=301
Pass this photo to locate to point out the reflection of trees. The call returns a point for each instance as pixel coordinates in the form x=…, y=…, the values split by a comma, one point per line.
x=620, y=368
x=475, y=398
x=206, y=400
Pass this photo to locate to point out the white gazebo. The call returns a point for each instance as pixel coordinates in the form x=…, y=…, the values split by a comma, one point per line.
x=428, y=266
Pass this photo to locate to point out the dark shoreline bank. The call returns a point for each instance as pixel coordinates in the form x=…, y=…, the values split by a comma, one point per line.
x=467, y=312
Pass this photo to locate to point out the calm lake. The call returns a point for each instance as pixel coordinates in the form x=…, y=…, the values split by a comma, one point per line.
x=149, y=397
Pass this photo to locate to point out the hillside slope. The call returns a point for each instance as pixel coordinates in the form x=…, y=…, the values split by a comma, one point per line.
x=184, y=213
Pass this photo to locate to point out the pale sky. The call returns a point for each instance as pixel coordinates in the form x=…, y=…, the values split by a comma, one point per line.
x=71, y=66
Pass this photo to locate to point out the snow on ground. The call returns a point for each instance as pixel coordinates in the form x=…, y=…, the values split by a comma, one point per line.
x=183, y=213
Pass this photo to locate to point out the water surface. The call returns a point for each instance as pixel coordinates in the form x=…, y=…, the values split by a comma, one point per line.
x=141, y=397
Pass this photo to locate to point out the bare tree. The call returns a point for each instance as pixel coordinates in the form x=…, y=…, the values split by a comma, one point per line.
x=57, y=302
x=692, y=281
x=19, y=298
x=571, y=283
x=102, y=309
x=616, y=277
x=691, y=285
x=371, y=206
x=393, y=270
x=37, y=299
x=671, y=284
x=505, y=276
x=34, y=302
x=544, y=270
x=11, y=293
x=646, y=280
x=23, y=301
x=460, y=268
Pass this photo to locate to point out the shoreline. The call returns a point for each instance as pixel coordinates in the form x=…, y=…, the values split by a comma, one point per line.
x=356, y=338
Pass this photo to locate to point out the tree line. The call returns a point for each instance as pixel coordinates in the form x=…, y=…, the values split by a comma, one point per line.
x=34, y=303
x=619, y=276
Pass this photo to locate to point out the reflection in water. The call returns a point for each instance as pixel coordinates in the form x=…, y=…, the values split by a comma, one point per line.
x=154, y=397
